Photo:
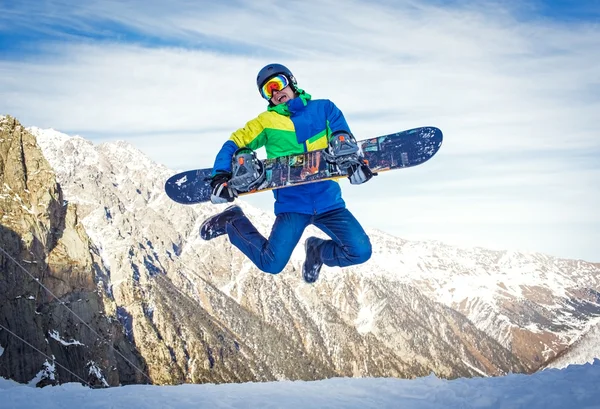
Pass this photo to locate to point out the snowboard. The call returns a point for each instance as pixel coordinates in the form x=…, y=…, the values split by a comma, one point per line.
x=394, y=151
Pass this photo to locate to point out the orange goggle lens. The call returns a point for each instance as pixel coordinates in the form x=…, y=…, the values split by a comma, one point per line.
x=277, y=83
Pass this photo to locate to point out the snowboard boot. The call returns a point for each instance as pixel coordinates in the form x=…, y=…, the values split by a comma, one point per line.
x=215, y=226
x=313, y=263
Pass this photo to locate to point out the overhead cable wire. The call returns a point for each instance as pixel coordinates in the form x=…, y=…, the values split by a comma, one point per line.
x=72, y=312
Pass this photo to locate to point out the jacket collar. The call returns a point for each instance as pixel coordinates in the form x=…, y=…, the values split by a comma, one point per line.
x=293, y=106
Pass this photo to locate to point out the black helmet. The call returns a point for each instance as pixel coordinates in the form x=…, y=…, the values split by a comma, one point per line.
x=271, y=70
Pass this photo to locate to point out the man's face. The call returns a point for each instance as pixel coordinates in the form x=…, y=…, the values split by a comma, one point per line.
x=283, y=96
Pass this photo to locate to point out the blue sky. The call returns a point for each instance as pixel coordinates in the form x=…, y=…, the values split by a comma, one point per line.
x=27, y=25
x=514, y=85
x=567, y=10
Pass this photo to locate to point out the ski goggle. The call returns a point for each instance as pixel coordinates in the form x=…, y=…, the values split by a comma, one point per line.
x=277, y=83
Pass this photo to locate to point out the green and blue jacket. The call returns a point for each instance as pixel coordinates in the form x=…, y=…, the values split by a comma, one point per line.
x=298, y=126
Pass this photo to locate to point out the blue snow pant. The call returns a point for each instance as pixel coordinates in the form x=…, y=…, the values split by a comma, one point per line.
x=349, y=243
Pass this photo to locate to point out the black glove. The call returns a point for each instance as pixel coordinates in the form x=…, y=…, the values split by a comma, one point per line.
x=360, y=173
x=222, y=192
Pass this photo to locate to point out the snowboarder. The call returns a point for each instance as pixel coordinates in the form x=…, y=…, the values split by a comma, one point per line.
x=292, y=124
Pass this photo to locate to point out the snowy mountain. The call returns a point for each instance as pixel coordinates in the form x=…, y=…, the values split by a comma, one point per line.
x=584, y=349
x=143, y=238
x=200, y=312
x=531, y=303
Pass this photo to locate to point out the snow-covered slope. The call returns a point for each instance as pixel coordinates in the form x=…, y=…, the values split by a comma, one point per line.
x=574, y=388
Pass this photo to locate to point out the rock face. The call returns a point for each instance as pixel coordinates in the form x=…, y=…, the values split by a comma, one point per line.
x=49, y=271
x=196, y=311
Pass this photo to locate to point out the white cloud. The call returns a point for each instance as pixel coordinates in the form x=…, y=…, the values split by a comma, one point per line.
x=517, y=99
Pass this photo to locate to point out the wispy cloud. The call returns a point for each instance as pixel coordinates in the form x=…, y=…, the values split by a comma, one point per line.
x=516, y=94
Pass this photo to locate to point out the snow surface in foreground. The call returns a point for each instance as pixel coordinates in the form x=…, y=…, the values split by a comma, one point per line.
x=575, y=387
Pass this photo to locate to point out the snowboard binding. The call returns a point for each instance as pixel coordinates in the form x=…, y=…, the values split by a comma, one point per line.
x=343, y=151
x=247, y=171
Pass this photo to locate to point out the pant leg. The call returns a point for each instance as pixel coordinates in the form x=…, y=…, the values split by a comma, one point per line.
x=272, y=255
x=349, y=243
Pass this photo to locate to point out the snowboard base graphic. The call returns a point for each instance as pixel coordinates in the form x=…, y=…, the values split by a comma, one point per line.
x=394, y=151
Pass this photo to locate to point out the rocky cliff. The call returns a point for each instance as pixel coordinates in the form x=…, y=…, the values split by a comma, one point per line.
x=50, y=271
